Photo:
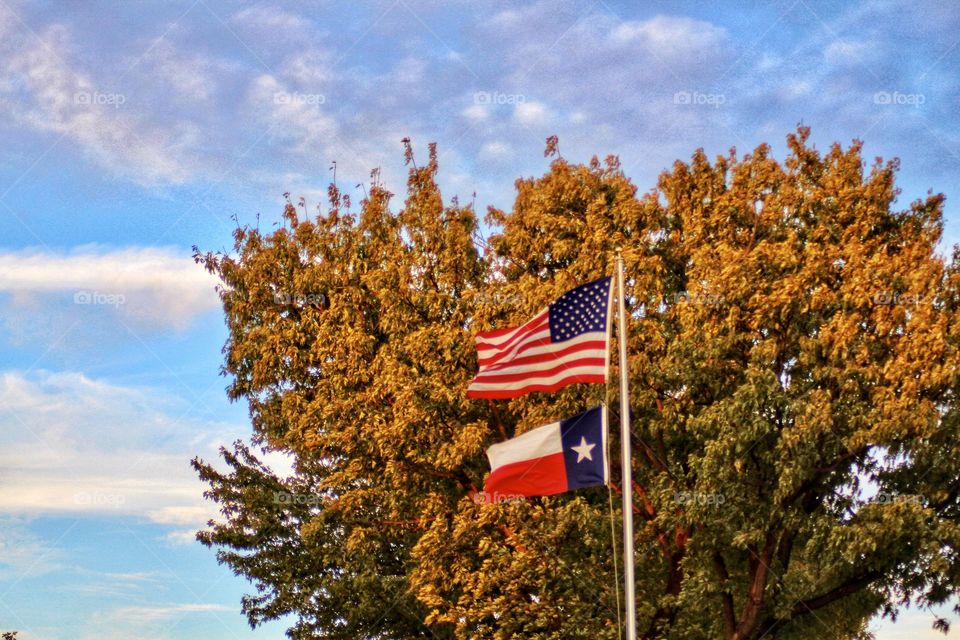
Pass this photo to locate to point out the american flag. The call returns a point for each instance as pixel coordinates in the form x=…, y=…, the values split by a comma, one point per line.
x=563, y=344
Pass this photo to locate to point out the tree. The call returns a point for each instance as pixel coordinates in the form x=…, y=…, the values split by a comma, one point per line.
x=794, y=374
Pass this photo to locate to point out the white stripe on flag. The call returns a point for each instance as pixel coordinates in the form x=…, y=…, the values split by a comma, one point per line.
x=499, y=340
x=546, y=349
x=570, y=360
x=536, y=443
x=485, y=354
x=538, y=380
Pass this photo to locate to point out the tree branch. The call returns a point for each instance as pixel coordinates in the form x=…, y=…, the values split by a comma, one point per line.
x=808, y=606
x=729, y=613
x=850, y=586
x=822, y=472
x=759, y=570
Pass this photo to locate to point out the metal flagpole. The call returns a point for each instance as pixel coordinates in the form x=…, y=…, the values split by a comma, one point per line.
x=630, y=598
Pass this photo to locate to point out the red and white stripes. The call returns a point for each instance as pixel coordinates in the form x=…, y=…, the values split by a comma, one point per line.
x=518, y=360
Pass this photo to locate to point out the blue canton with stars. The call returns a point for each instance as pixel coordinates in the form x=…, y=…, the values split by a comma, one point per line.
x=581, y=310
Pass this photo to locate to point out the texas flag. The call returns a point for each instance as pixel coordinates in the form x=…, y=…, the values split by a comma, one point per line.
x=554, y=458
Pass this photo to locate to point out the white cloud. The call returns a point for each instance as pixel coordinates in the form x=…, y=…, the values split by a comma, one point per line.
x=72, y=444
x=297, y=117
x=846, y=52
x=39, y=89
x=110, y=584
x=144, y=622
x=182, y=536
x=795, y=89
x=767, y=62
x=506, y=18
x=410, y=70
x=308, y=68
x=495, y=150
x=476, y=113
x=192, y=76
x=270, y=19
x=178, y=515
x=24, y=554
x=621, y=76
x=132, y=576
x=311, y=123
x=531, y=113
x=162, y=612
x=151, y=287
x=671, y=37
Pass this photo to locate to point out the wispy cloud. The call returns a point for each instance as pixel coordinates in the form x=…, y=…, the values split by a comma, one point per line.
x=42, y=90
x=148, y=287
x=72, y=444
x=24, y=554
x=143, y=622
x=270, y=20
x=162, y=612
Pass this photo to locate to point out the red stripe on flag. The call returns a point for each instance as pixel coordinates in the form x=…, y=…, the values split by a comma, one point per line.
x=496, y=333
x=544, y=476
x=508, y=355
x=495, y=377
x=502, y=394
x=522, y=334
x=546, y=357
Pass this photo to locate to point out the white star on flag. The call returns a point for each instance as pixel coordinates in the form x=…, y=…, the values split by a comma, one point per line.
x=583, y=450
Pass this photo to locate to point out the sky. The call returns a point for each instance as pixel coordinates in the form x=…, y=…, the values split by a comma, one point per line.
x=133, y=131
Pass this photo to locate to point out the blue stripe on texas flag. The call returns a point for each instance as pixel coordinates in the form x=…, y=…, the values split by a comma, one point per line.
x=584, y=449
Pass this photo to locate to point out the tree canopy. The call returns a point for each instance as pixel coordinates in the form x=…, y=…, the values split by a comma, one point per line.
x=793, y=366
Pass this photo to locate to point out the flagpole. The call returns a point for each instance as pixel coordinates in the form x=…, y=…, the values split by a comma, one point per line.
x=630, y=598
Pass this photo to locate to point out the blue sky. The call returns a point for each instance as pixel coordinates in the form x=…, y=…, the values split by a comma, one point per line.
x=134, y=130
